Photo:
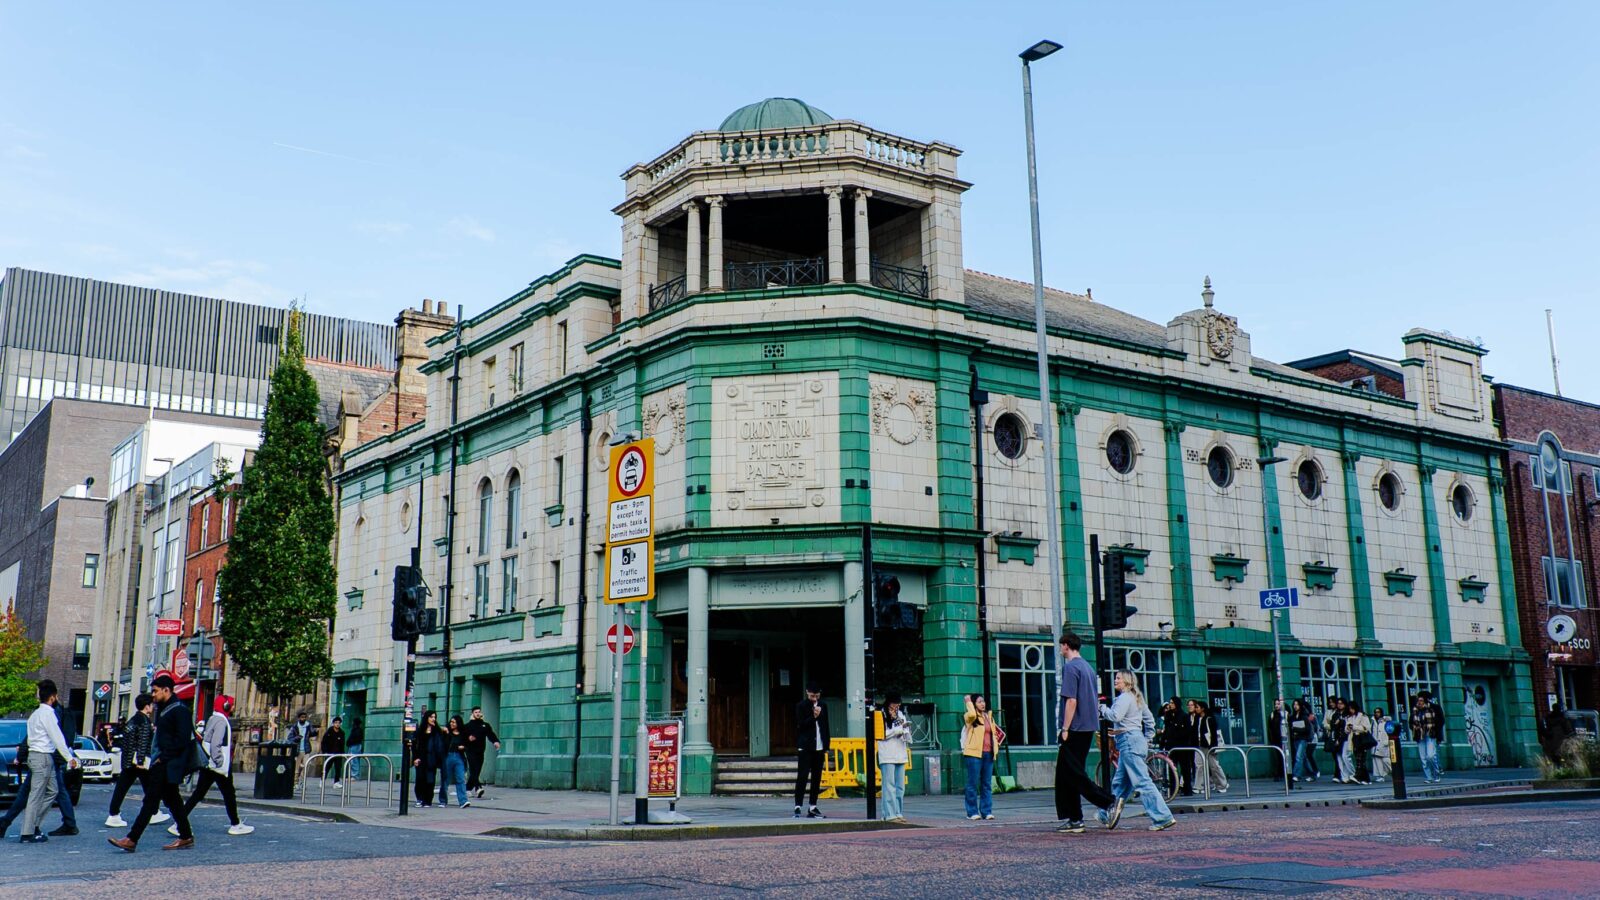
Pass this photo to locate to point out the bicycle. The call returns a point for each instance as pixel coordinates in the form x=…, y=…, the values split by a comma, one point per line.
x=1163, y=771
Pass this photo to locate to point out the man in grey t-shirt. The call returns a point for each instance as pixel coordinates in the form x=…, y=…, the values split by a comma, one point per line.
x=1080, y=713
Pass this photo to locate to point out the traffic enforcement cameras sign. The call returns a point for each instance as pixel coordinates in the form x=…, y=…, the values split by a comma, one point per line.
x=630, y=523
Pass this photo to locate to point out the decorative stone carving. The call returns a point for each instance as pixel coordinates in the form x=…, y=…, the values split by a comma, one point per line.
x=1220, y=332
x=905, y=414
x=773, y=427
x=666, y=419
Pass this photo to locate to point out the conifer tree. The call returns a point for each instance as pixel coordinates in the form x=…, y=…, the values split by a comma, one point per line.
x=278, y=585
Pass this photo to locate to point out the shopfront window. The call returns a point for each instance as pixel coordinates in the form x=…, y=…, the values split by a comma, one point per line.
x=1025, y=679
x=1322, y=677
x=1407, y=677
x=1235, y=696
x=1155, y=670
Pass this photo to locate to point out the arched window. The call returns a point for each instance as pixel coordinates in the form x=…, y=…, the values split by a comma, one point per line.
x=485, y=514
x=513, y=509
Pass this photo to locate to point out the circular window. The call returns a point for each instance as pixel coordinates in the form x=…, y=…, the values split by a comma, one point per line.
x=1309, y=477
x=1462, y=502
x=405, y=517
x=1389, y=491
x=1219, y=465
x=1119, y=452
x=1010, y=436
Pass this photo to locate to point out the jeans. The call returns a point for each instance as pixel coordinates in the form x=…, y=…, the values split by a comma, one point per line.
x=42, y=791
x=980, y=792
x=1304, y=765
x=354, y=764
x=894, y=789
x=1428, y=750
x=19, y=803
x=1133, y=774
x=1347, y=763
x=455, y=773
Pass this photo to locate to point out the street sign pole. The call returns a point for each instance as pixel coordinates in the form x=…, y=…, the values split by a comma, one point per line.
x=630, y=572
x=641, y=765
x=616, y=718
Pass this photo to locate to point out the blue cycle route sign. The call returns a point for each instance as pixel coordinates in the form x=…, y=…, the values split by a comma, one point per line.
x=1280, y=598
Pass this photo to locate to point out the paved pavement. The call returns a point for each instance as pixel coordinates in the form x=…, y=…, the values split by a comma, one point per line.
x=583, y=815
x=1541, y=850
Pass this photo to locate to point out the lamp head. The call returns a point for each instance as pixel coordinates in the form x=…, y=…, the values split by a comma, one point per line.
x=1265, y=461
x=1039, y=51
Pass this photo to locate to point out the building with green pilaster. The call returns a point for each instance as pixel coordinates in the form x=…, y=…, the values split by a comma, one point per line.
x=791, y=322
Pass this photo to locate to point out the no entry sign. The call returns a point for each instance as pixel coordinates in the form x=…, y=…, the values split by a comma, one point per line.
x=627, y=639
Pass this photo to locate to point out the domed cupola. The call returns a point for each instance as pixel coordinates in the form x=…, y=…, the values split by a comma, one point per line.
x=774, y=112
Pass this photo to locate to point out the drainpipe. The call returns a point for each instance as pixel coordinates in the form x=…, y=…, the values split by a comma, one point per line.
x=585, y=427
x=980, y=397
x=450, y=512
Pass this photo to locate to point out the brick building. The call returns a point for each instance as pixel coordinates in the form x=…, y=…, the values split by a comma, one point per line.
x=1552, y=468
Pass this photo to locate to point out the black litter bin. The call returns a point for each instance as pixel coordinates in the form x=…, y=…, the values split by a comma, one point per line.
x=275, y=771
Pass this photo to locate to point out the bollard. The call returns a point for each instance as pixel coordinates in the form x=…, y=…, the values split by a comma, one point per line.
x=1397, y=759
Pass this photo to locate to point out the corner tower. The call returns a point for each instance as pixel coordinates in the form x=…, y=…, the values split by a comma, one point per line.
x=783, y=195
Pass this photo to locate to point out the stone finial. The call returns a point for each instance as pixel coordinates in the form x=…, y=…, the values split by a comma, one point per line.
x=1208, y=294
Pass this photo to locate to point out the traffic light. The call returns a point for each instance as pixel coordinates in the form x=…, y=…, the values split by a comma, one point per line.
x=889, y=612
x=411, y=614
x=1114, y=608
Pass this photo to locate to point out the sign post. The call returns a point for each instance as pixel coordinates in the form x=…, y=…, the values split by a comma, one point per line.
x=1280, y=599
x=630, y=567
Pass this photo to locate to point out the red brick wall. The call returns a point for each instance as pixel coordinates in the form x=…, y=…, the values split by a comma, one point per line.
x=1525, y=415
x=1350, y=371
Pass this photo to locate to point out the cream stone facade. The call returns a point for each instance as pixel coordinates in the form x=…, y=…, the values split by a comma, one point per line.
x=791, y=322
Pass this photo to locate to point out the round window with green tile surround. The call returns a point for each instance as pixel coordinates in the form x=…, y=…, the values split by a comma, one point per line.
x=1010, y=436
x=1119, y=452
x=1389, y=491
x=1219, y=466
x=1462, y=502
x=1308, y=477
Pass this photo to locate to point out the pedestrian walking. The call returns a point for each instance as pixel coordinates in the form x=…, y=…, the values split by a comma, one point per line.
x=1380, y=745
x=1210, y=735
x=358, y=741
x=455, y=763
x=812, y=739
x=44, y=741
x=1180, y=731
x=1359, y=741
x=301, y=733
x=175, y=749
x=1275, y=726
x=894, y=751
x=1303, y=740
x=427, y=756
x=480, y=734
x=218, y=741
x=980, y=743
x=333, y=744
x=138, y=740
x=1079, y=715
x=1132, y=727
x=69, y=733
x=1333, y=740
x=1427, y=729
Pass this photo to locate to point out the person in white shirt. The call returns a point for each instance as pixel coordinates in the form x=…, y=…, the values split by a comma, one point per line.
x=44, y=742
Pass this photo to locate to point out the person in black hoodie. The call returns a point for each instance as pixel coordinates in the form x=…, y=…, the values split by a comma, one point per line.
x=174, y=738
x=812, y=738
x=427, y=756
x=138, y=740
x=480, y=734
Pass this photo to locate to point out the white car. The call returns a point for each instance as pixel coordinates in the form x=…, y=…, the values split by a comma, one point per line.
x=98, y=765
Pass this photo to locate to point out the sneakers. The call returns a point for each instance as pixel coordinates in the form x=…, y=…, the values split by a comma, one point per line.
x=1070, y=828
x=338, y=785
x=172, y=829
x=798, y=812
x=159, y=817
x=1115, y=816
x=814, y=813
x=975, y=817
x=480, y=792
x=466, y=803
x=988, y=818
x=36, y=838
x=115, y=822
x=1163, y=826
x=240, y=828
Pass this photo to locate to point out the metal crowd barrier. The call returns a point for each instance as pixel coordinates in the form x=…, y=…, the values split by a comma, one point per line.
x=345, y=792
x=1251, y=748
x=1243, y=758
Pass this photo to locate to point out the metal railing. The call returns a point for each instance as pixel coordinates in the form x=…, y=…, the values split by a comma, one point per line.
x=1203, y=768
x=754, y=276
x=668, y=292
x=1251, y=748
x=900, y=279
x=345, y=792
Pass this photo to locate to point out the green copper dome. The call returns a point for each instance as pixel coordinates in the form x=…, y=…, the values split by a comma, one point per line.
x=774, y=112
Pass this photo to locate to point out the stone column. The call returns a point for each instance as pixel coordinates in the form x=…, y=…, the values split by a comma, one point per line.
x=714, y=244
x=835, y=236
x=696, y=736
x=691, y=263
x=863, y=248
x=855, y=673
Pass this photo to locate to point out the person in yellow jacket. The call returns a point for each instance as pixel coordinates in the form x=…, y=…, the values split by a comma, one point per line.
x=980, y=741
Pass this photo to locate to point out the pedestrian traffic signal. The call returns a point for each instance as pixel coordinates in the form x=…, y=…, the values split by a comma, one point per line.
x=1114, y=609
x=411, y=614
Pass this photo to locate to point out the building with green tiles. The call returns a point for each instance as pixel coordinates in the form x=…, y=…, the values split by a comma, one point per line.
x=791, y=322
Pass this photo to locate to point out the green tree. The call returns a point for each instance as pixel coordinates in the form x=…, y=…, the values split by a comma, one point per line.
x=278, y=585
x=18, y=657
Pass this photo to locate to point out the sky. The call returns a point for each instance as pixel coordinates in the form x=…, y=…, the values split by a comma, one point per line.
x=1344, y=172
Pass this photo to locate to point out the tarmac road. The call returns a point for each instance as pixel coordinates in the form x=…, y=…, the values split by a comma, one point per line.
x=1533, y=850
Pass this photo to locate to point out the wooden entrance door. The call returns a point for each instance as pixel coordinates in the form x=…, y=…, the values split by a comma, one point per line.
x=728, y=687
x=785, y=688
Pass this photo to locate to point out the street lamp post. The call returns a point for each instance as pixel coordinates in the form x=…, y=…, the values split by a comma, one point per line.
x=1052, y=537
x=1277, y=648
x=166, y=564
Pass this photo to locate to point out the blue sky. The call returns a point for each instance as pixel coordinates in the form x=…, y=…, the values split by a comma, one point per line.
x=1343, y=172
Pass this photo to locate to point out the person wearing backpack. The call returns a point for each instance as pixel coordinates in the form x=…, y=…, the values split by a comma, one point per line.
x=218, y=741
x=1210, y=737
x=176, y=749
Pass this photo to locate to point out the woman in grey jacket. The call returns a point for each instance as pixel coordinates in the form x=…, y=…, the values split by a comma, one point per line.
x=1132, y=726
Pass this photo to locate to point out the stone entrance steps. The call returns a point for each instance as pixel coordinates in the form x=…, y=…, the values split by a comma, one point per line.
x=745, y=777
